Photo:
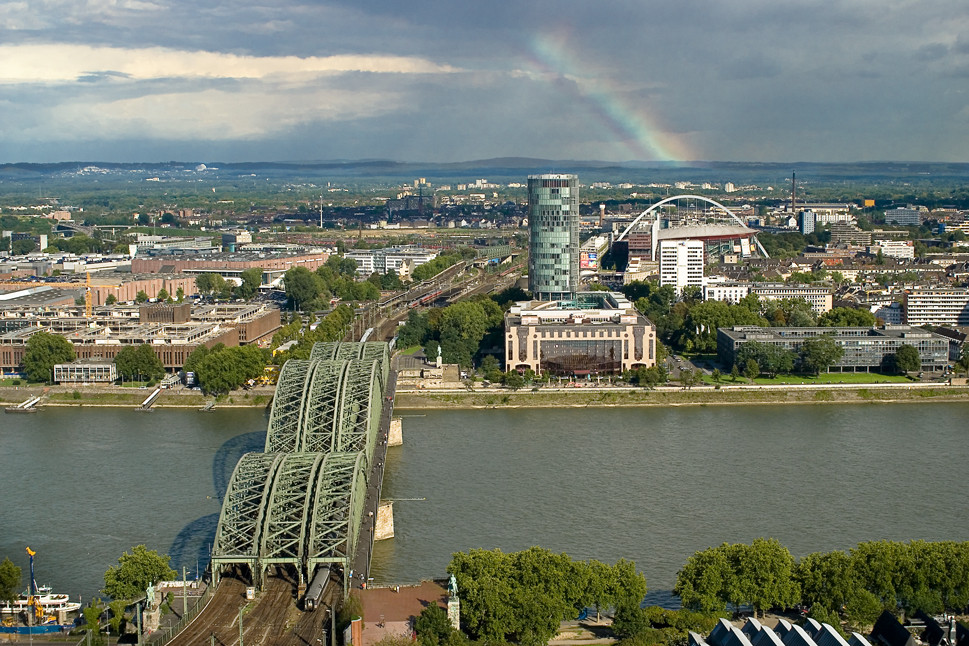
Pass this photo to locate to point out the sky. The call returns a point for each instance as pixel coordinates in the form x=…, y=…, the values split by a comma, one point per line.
x=450, y=80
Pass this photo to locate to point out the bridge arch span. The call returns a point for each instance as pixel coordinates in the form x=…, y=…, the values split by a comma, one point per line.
x=674, y=198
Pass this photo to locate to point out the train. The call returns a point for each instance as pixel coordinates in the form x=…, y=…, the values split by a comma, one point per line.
x=314, y=593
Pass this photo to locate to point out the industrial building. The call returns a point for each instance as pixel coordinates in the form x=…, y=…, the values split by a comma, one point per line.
x=236, y=261
x=110, y=329
x=865, y=349
x=594, y=333
x=553, y=221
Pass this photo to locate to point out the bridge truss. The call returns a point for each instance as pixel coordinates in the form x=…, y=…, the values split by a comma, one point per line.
x=300, y=502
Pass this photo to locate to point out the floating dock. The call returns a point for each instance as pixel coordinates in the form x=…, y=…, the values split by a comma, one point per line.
x=28, y=406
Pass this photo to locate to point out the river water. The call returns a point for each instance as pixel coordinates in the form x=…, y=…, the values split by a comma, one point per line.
x=652, y=485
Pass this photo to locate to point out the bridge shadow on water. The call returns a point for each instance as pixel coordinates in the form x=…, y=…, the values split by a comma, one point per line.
x=192, y=547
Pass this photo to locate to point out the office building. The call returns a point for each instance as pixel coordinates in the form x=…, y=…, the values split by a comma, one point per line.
x=401, y=260
x=553, y=221
x=937, y=307
x=594, y=333
x=681, y=264
x=820, y=298
x=865, y=349
x=902, y=217
x=846, y=233
x=805, y=222
x=904, y=249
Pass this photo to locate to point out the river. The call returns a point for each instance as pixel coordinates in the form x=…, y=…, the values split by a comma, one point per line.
x=653, y=485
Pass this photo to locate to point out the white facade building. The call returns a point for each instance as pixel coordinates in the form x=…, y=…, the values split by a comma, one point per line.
x=820, y=298
x=681, y=263
x=731, y=292
x=894, y=248
x=937, y=307
x=402, y=260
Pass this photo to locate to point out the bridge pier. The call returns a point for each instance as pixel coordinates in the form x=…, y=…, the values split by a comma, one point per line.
x=385, y=521
x=395, y=436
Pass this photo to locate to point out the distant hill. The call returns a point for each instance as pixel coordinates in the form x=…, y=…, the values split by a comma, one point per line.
x=504, y=169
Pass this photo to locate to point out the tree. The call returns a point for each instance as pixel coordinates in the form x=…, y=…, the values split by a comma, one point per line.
x=846, y=317
x=210, y=284
x=9, y=581
x=433, y=626
x=825, y=579
x=513, y=379
x=524, y=596
x=141, y=296
x=771, y=359
x=415, y=331
x=765, y=575
x=179, y=295
x=43, y=351
x=751, y=369
x=302, y=286
x=251, y=280
x=716, y=375
x=23, y=246
x=163, y=295
x=703, y=582
x=111, y=299
x=689, y=378
x=820, y=353
x=135, y=572
x=734, y=373
x=223, y=369
x=462, y=327
x=907, y=358
x=139, y=361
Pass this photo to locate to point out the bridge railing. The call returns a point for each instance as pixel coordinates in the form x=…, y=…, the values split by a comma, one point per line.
x=166, y=635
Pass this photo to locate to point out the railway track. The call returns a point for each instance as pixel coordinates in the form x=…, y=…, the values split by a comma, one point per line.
x=273, y=619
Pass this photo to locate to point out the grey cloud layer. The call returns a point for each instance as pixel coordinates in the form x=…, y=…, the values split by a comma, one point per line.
x=441, y=80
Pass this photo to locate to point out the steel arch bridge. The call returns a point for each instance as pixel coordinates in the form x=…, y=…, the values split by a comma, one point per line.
x=668, y=200
x=300, y=502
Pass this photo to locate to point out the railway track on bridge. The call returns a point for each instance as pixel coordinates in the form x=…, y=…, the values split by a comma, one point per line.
x=272, y=619
x=305, y=505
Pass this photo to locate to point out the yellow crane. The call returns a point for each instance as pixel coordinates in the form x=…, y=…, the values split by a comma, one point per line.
x=88, y=297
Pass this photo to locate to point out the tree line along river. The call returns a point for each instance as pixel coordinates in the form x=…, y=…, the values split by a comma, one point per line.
x=80, y=486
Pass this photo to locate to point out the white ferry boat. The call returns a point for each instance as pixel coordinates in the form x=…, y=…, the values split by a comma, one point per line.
x=45, y=597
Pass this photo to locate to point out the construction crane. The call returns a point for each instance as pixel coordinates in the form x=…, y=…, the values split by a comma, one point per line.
x=88, y=298
x=32, y=596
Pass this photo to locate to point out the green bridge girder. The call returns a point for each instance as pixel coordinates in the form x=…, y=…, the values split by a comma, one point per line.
x=301, y=501
x=243, y=509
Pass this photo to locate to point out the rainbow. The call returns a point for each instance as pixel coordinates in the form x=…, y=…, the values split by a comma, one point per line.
x=641, y=132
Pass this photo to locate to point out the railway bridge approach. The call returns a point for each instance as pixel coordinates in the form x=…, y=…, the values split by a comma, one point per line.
x=305, y=506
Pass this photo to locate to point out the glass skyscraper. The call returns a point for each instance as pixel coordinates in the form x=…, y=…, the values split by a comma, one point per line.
x=553, y=247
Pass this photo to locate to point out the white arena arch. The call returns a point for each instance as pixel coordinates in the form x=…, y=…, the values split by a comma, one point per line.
x=691, y=197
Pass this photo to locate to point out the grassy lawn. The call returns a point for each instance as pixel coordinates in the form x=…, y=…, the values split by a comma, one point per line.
x=823, y=378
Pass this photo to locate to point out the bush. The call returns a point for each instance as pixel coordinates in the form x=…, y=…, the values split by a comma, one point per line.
x=826, y=616
x=16, y=382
